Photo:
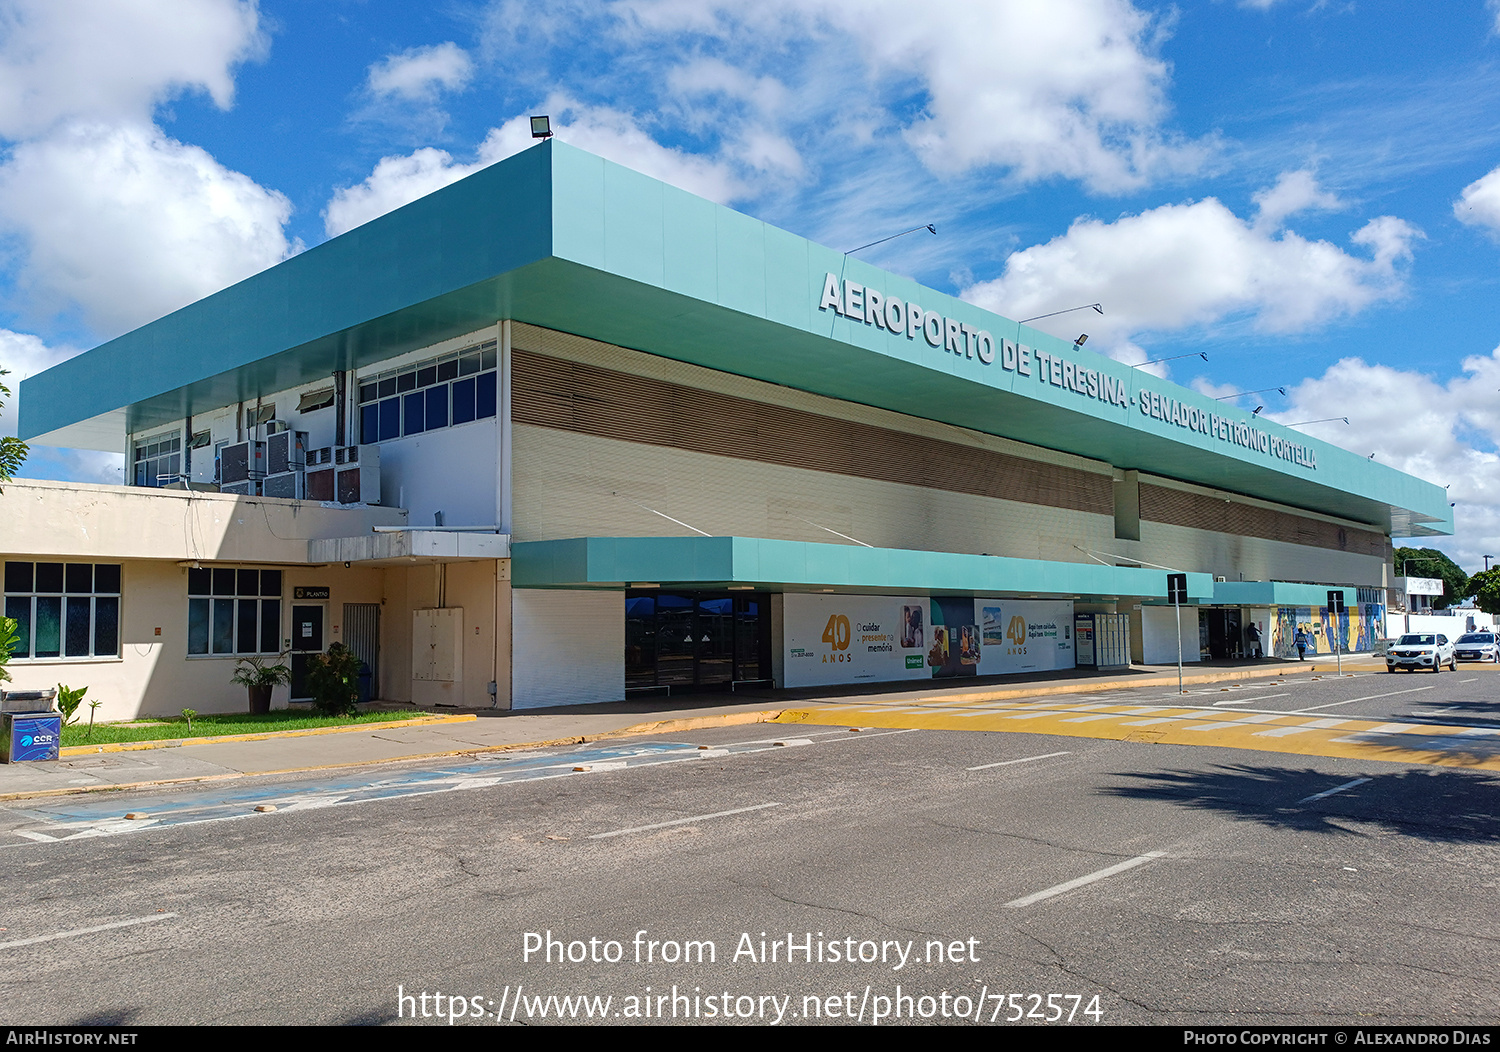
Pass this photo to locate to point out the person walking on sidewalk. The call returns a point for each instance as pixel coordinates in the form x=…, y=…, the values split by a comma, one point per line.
x=1301, y=641
x=1252, y=634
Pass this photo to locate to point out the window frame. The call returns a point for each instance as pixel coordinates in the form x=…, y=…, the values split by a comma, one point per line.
x=68, y=601
x=401, y=403
x=219, y=598
x=168, y=458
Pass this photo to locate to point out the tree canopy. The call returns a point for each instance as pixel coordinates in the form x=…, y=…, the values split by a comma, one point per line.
x=1429, y=562
x=12, y=450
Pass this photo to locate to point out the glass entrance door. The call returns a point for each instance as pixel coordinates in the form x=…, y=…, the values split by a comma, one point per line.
x=695, y=640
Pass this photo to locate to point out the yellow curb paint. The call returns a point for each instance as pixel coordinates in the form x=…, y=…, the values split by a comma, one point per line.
x=1148, y=680
x=1191, y=727
x=177, y=743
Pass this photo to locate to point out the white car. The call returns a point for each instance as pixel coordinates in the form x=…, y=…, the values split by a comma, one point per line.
x=1421, y=650
x=1477, y=646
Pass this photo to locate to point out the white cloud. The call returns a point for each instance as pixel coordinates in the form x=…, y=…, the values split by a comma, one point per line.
x=1195, y=264
x=115, y=60
x=1294, y=192
x=129, y=224
x=24, y=354
x=1442, y=431
x=1040, y=88
x=1479, y=204
x=419, y=74
x=611, y=134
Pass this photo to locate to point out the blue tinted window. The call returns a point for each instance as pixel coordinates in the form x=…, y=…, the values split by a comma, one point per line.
x=414, y=413
x=390, y=419
x=485, y=396
x=463, y=401
x=437, y=407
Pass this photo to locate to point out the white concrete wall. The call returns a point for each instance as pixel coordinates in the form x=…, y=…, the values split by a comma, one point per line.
x=568, y=647
x=1159, y=634
x=109, y=523
x=154, y=674
x=451, y=470
x=1450, y=626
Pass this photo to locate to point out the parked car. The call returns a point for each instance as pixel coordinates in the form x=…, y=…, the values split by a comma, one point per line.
x=1421, y=650
x=1477, y=646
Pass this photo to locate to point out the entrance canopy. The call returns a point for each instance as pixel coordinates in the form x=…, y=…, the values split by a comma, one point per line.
x=721, y=562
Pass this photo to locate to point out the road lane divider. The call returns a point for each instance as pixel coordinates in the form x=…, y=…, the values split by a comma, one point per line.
x=679, y=822
x=1023, y=759
x=1060, y=889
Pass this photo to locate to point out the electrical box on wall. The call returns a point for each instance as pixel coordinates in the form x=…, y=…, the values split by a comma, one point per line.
x=437, y=645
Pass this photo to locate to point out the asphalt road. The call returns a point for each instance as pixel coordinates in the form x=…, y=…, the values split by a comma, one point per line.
x=1004, y=874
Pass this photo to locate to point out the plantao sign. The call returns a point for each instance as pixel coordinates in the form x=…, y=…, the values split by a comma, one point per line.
x=868, y=306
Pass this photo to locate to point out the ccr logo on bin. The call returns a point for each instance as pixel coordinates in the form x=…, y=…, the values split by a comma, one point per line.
x=35, y=739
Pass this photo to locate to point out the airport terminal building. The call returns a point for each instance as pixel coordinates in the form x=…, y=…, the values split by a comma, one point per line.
x=560, y=432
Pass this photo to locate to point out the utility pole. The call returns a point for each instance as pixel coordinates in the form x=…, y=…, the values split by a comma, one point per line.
x=1177, y=595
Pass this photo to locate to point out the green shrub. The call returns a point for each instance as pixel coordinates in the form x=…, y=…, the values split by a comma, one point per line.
x=333, y=681
x=254, y=672
x=10, y=635
x=68, y=700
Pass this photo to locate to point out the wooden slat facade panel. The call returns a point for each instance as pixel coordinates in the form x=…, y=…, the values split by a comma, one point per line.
x=1200, y=512
x=572, y=396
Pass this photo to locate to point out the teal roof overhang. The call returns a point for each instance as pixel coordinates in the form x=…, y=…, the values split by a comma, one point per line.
x=718, y=562
x=1279, y=593
x=559, y=238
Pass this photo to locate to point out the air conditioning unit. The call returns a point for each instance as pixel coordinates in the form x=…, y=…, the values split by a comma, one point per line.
x=291, y=485
x=241, y=462
x=248, y=488
x=358, y=474
x=286, y=451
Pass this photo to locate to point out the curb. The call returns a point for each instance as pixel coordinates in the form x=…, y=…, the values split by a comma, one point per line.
x=654, y=727
x=668, y=726
x=215, y=739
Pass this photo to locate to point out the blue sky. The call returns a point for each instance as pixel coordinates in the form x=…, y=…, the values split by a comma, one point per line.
x=1308, y=192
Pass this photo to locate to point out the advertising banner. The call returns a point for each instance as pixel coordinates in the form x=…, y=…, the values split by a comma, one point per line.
x=833, y=639
x=853, y=638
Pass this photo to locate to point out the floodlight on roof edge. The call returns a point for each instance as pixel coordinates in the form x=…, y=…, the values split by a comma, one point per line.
x=1070, y=310
x=1241, y=394
x=1173, y=358
x=541, y=127
x=930, y=228
x=1320, y=420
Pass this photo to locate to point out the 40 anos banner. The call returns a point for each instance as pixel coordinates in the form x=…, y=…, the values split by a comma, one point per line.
x=852, y=638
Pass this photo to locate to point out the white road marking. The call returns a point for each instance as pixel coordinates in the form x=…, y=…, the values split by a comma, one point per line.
x=1372, y=697
x=86, y=931
x=1335, y=789
x=1311, y=725
x=680, y=821
x=1024, y=759
x=1058, y=889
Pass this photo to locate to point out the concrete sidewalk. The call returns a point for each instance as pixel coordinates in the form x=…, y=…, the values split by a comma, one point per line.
x=490, y=731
